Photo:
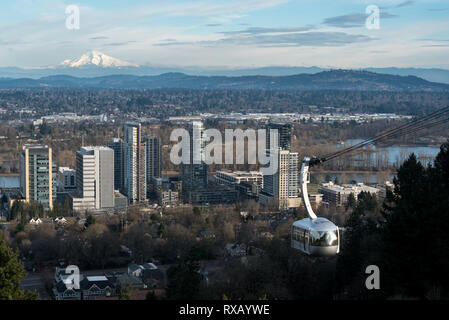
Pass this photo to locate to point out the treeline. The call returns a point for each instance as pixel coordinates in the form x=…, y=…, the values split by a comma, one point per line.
x=162, y=103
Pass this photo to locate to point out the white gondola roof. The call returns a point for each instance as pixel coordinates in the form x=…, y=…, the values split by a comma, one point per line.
x=318, y=224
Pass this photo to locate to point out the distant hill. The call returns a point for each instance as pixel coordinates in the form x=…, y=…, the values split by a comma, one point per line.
x=326, y=80
x=97, y=64
x=92, y=70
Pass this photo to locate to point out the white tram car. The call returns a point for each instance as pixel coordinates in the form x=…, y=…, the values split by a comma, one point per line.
x=313, y=236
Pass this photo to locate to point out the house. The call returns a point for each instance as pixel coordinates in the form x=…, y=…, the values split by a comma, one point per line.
x=64, y=287
x=93, y=287
x=60, y=220
x=236, y=250
x=148, y=273
x=152, y=276
x=135, y=270
x=206, y=235
x=62, y=291
x=35, y=221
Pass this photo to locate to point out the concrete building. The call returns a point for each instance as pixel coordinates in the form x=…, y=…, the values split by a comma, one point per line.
x=94, y=179
x=338, y=194
x=383, y=188
x=168, y=197
x=232, y=178
x=281, y=188
x=248, y=190
x=38, y=175
x=116, y=144
x=194, y=173
x=212, y=195
x=135, y=163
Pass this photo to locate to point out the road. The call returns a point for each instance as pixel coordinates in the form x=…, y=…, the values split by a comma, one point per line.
x=34, y=281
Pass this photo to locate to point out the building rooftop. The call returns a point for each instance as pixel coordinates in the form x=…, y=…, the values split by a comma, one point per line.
x=348, y=187
x=97, y=278
x=241, y=173
x=35, y=146
x=89, y=149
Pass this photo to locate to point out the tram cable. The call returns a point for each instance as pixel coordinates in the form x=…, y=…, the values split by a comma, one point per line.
x=389, y=133
x=432, y=119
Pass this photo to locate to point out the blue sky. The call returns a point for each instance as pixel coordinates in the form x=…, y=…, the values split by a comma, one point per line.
x=229, y=33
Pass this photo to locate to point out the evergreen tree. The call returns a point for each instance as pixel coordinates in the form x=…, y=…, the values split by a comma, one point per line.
x=125, y=292
x=415, y=235
x=351, y=202
x=184, y=279
x=89, y=220
x=162, y=230
x=11, y=271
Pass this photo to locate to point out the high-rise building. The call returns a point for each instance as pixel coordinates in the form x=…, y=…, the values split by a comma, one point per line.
x=281, y=187
x=116, y=144
x=284, y=135
x=95, y=178
x=135, y=163
x=153, y=158
x=38, y=175
x=194, y=173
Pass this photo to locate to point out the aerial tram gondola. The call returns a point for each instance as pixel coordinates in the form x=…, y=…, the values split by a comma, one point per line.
x=317, y=236
x=313, y=236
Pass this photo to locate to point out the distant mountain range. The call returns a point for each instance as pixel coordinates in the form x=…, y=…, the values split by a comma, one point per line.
x=325, y=80
x=98, y=64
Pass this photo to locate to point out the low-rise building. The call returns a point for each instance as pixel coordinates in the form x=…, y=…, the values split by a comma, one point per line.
x=232, y=178
x=383, y=187
x=248, y=190
x=143, y=276
x=167, y=197
x=338, y=194
x=218, y=195
x=93, y=287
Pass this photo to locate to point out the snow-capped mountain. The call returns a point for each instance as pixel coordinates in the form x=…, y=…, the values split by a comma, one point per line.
x=96, y=58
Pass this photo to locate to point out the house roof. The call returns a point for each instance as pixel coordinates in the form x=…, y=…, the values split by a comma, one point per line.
x=133, y=267
x=150, y=266
x=100, y=281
